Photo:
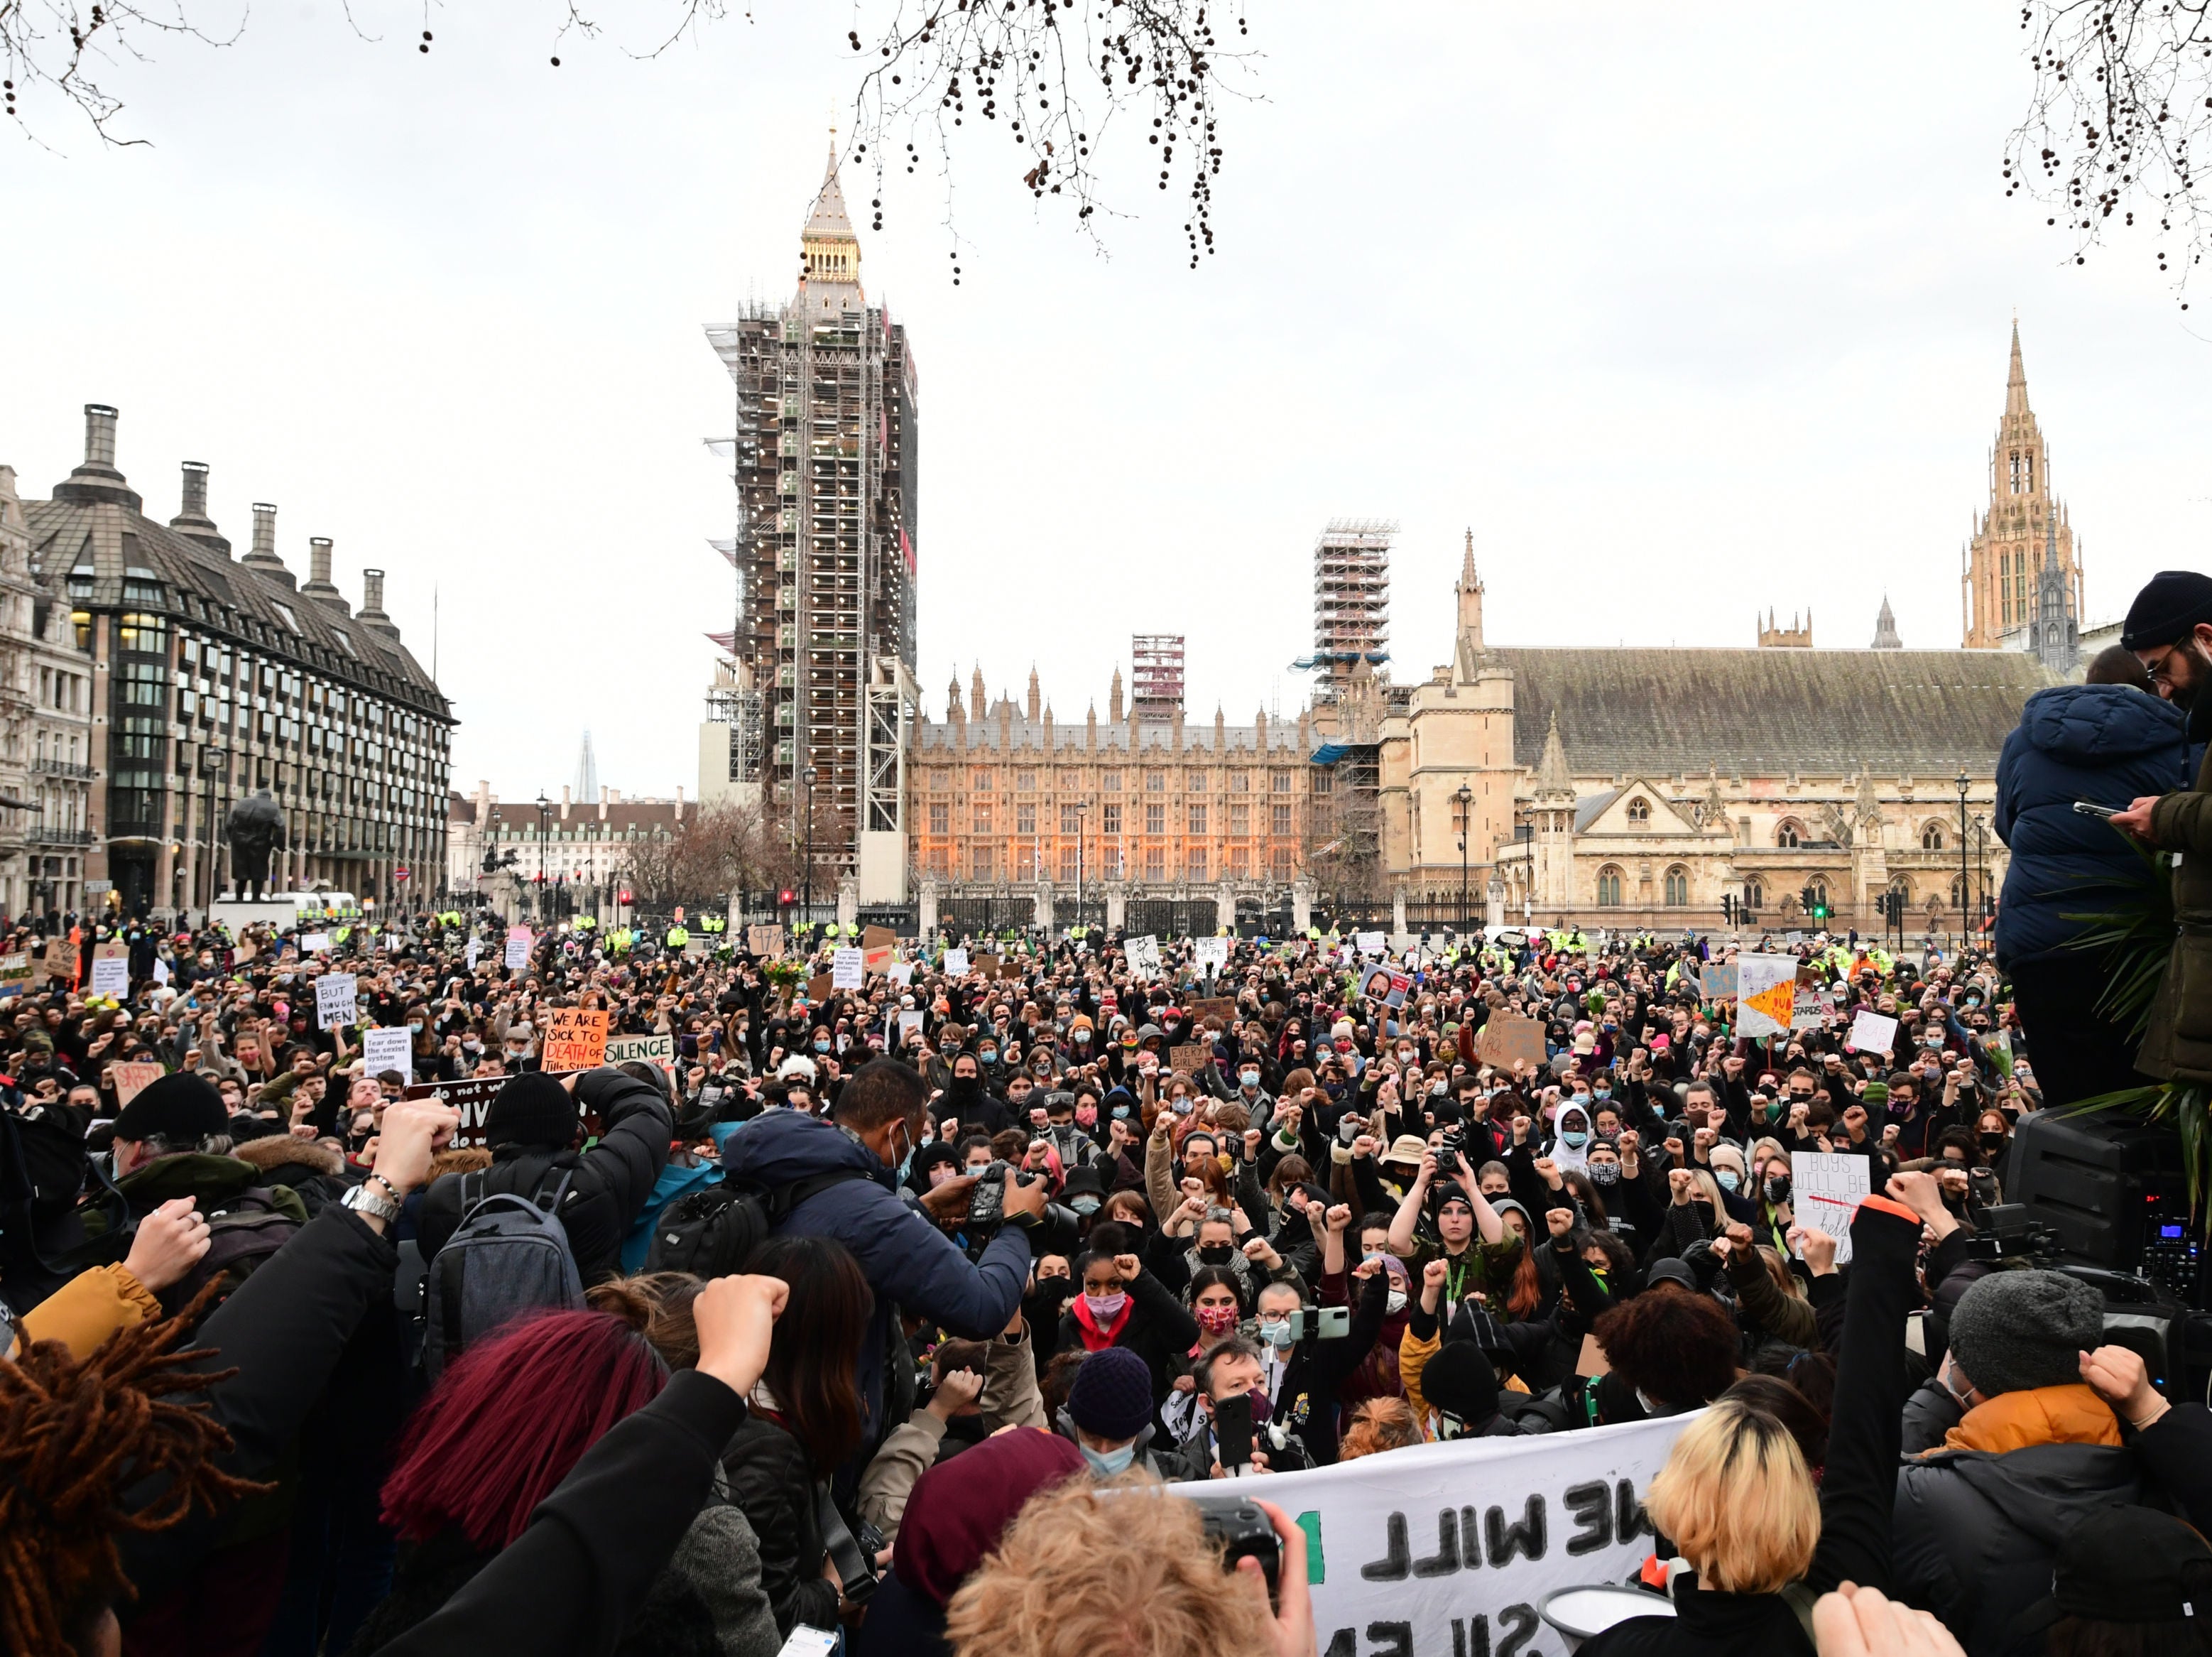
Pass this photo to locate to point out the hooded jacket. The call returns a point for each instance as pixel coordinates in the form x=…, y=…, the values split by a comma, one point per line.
x=912, y=1266
x=2105, y=743
x=1976, y=1524
x=607, y=1184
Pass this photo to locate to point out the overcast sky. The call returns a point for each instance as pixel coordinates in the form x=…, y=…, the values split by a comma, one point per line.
x=1686, y=313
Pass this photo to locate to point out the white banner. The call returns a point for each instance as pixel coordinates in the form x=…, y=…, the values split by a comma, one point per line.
x=1765, y=994
x=1212, y=954
x=652, y=1050
x=1446, y=1549
x=383, y=1049
x=335, y=994
x=1143, y=957
x=848, y=969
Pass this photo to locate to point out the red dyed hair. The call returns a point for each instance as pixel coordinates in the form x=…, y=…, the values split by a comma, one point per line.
x=507, y=1422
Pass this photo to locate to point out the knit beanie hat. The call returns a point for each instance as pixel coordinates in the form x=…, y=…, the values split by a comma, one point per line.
x=2014, y=1330
x=2171, y=603
x=1460, y=1381
x=1112, y=1397
x=182, y=1108
x=530, y=1109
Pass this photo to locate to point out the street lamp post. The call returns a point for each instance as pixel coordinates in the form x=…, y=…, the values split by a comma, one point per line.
x=1081, y=807
x=809, y=882
x=1965, y=887
x=545, y=821
x=1465, y=801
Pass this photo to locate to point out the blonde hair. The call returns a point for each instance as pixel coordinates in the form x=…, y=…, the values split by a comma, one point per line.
x=1123, y=1574
x=1380, y=1424
x=1737, y=1499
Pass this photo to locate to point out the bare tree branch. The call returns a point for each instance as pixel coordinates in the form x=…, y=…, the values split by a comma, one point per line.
x=2119, y=124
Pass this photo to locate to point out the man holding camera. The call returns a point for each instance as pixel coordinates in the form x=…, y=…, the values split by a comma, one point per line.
x=1234, y=1432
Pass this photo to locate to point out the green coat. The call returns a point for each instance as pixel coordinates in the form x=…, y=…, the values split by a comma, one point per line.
x=2178, y=1046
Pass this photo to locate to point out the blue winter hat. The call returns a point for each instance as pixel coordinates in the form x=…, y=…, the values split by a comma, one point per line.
x=1112, y=1397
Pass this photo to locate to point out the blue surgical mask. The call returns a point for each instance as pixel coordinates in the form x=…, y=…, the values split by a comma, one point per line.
x=1249, y=1078
x=988, y=1055
x=821, y=1046
x=1121, y=1112
x=1601, y=1092
x=1574, y=1136
x=1729, y=1178
x=1107, y=1462
x=1280, y=1333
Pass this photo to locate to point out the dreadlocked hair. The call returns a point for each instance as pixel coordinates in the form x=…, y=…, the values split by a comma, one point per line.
x=75, y=1433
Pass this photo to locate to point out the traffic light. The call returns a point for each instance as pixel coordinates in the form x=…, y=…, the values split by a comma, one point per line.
x=787, y=897
x=1728, y=907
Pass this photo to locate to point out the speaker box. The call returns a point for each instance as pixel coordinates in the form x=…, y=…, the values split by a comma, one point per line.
x=2112, y=1190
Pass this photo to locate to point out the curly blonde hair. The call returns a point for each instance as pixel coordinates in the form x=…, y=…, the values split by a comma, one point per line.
x=1128, y=1573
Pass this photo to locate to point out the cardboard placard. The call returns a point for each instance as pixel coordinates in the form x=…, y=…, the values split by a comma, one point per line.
x=818, y=987
x=986, y=964
x=1592, y=1362
x=650, y=1049
x=132, y=1078
x=575, y=1037
x=765, y=941
x=337, y=996
x=472, y=1098
x=1189, y=1057
x=1221, y=1007
x=519, y=942
x=1716, y=981
x=59, y=960
x=1507, y=1039
x=111, y=970
x=388, y=1048
x=15, y=973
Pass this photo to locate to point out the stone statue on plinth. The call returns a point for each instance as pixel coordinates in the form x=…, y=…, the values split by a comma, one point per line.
x=255, y=828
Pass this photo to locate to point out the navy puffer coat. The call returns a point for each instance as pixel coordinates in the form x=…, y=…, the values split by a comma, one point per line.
x=2106, y=744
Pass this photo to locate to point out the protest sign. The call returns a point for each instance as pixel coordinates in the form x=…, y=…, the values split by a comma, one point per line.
x=818, y=987
x=956, y=963
x=472, y=1098
x=847, y=967
x=1189, y=1057
x=388, y=1049
x=1212, y=954
x=15, y=973
x=1808, y=1002
x=1444, y=1549
x=518, y=942
x=111, y=970
x=1213, y=1007
x=1766, y=994
x=132, y=1077
x=336, y=995
x=986, y=964
x=1873, y=1033
x=908, y=1022
x=1371, y=943
x=60, y=959
x=1507, y=1039
x=1717, y=980
x=474, y=950
x=575, y=1037
x=646, y=1049
x=765, y=941
x=1824, y=1187
x=901, y=973
x=1144, y=956
x=315, y=943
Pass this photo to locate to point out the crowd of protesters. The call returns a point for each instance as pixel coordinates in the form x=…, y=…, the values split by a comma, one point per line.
x=841, y=1318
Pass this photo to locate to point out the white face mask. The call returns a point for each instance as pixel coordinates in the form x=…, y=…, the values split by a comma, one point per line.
x=1396, y=1301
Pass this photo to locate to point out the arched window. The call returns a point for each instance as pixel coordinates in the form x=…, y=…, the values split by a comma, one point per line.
x=1789, y=834
x=1678, y=887
x=1639, y=813
x=1904, y=888
x=1608, y=887
x=1958, y=891
x=1754, y=895
x=1819, y=890
x=1931, y=836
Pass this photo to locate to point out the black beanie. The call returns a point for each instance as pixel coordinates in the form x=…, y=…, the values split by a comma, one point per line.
x=181, y=1108
x=2171, y=603
x=1460, y=1381
x=531, y=1108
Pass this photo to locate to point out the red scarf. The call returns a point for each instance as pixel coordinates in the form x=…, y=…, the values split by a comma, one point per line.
x=1096, y=1339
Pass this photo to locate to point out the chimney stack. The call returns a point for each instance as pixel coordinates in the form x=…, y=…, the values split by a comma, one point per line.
x=320, y=585
x=263, y=554
x=95, y=478
x=100, y=437
x=372, y=604
x=191, y=520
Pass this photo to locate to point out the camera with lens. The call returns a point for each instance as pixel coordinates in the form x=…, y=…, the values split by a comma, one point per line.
x=1243, y=1531
x=1451, y=1147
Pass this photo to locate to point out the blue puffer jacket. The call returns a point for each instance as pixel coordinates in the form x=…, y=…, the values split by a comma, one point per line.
x=912, y=1266
x=2106, y=744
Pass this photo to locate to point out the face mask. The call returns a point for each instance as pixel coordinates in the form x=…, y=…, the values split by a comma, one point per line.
x=963, y=1088
x=1182, y=1106
x=1122, y=1112
x=1216, y=1320
x=1106, y=1308
x=1604, y=1278
x=1605, y=1173
x=1215, y=1254
x=1085, y=1205
x=1249, y=1078
x=1086, y=1115
x=415, y=1025
x=1728, y=1177
x=1107, y=1462
x=1993, y=1141
x=1574, y=1138
x=1778, y=1188
x=1396, y=1301
x=1279, y=1334
x=988, y=1055
x=1083, y=1038
x=515, y=1055
x=822, y=1043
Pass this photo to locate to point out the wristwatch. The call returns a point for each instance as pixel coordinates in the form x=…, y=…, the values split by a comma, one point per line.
x=362, y=1200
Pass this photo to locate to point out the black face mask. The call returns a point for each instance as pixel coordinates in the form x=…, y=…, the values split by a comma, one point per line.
x=1215, y=1254
x=1778, y=1188
x=963, y=1086
x=1993, y=1141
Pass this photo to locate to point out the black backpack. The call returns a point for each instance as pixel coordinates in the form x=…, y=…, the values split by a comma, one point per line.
x=243, y=1231
x=712, y=1233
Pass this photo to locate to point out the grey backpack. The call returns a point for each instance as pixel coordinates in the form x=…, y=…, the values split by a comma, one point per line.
x=508, y=1258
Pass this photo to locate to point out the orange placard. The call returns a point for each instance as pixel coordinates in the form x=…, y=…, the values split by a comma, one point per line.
x=575, y=1039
